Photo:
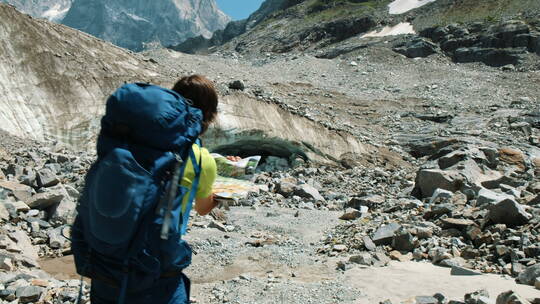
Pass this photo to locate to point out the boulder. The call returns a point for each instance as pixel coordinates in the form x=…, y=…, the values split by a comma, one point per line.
x=385, y=234
x=29, y=294
x=403, y=241
x=508, y=212
x=309, y=192
x=24, y=244
x=529, y=275
x=415, y=48
x=64, y=212
x=286, y=188
x=47, y=178
x=237, y=85
x=511, y=297
x=4, y=213
x=353, y=214
x=478, y=297
x=46, y=199
x=490, y=56
x=488, y=197
x=429, y=180
x=507, y=31
x=19, y=191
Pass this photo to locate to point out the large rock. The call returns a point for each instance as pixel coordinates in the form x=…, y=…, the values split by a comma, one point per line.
x=507, y=31
x=508, y=212
x=488, y=197
x=309, y=192
x=490, y=56
x=46, y=199
x=29, y=294
x=530, y=274
x=19, y=191
x=385, y=234
x=429, y=180
x=24, y=244
x=47, y=178
x=416, y=48
x=511, y=297
x=64, y=212
x=4, y=214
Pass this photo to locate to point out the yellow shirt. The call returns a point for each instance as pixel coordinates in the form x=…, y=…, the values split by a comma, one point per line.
x=208, y=174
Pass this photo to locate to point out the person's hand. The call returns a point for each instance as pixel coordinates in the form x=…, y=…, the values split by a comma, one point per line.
x=234, y=158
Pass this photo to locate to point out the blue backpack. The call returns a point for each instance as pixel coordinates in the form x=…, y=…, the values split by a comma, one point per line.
x=131, y=214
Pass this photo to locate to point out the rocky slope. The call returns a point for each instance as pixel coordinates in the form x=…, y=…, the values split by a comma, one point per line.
x=53, y=10
x=136, y=25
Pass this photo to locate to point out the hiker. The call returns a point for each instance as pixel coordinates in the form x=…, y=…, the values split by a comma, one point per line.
x=137, y=196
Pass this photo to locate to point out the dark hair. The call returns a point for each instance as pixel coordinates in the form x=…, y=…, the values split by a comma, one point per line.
x=202, y=92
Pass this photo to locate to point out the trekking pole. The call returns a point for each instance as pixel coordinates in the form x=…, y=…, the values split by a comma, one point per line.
x=171, y=195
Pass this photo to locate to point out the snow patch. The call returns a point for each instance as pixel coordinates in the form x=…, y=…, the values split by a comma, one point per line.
x=403, y=6
x=399, y=29
x=137, y=18
x=56, y=13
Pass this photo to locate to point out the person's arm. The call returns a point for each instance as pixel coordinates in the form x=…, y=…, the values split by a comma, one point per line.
x=203, y=206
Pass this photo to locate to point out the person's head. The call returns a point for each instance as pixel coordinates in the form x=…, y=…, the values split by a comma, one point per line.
x=201, y=91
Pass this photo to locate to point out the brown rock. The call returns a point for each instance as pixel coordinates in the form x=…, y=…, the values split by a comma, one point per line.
x=20, y=191
x=512, y=157
x=457, y=223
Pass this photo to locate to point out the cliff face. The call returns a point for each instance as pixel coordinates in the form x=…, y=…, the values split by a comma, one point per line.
x=53, y=10
x=54, y=80
x=201, y=44
x=134, y=24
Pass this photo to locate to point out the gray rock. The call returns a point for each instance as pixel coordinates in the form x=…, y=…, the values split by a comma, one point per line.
x=403, y=241
x=370, y=201
x=385, y=234
x=368, y=243
x=529, y=275
x=29, y=294
x=4, y=214
x=537, y=283
x=56, y=238
x=489, y=197
x=429, y=180
x=6, y=263
x=511, y=297
x=461, y=271
x=508, y=212
x=18, y=206
x=64, y=212
x=426, y=300
x=491, y=56
x=362, y=259
x=217, y=225
x=477, y=297
x=47, y=178
x=440, y=193
x=24, y=243
x=415, y=48
x=19, y=191
x=237, y=85
x=46, y=199
x=309, y=192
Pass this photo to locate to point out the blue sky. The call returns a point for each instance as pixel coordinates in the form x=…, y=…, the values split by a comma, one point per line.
x=239, y=9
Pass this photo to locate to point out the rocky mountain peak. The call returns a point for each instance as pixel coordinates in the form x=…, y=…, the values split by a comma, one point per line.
x=53, y=10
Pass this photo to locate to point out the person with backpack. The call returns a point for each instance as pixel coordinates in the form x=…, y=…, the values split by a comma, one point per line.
x=134, y=209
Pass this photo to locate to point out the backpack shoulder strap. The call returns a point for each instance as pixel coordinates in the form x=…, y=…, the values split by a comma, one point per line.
x=197, y=167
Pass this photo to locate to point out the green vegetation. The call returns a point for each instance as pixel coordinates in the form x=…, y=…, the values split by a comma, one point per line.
x=466, y=11
x=325, y=10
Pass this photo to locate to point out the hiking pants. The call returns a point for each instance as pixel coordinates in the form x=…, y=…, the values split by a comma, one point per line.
x=173, y=290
